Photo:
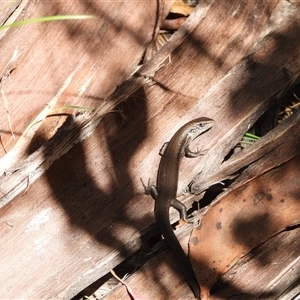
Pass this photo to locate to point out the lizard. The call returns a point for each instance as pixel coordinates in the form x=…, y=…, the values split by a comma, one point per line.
x=164, y=193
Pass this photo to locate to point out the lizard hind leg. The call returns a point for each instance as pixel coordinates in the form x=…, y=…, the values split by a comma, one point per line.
x=181, y=208
x=150, y=189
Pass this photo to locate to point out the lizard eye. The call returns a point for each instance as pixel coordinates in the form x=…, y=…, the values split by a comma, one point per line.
x=197, y=127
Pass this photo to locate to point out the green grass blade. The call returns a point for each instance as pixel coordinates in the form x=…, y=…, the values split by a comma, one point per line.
x=48, y=19
x=72, y=107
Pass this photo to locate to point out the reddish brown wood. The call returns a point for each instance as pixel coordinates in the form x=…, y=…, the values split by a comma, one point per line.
x=7, y=8
x=160, y=278
x=42, y=263
x=243, y=219
x=248, y=89
x=270, y=151
x=268, y=272
x=86, y=214
x=216, y=37
x=50, y=52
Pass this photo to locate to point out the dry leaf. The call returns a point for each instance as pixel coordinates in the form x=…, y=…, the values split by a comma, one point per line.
x=181, y=7
x=242, y=220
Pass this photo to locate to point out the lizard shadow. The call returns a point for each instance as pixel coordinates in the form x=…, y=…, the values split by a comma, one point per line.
x=92, y=183
x=99, y=200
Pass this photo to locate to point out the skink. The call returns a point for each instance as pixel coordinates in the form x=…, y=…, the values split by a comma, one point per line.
x=165, y=190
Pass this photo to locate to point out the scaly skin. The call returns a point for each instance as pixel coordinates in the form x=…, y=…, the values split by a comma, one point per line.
x=167, y=182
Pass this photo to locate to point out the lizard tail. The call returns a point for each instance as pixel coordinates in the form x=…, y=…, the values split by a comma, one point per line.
x=168, y=233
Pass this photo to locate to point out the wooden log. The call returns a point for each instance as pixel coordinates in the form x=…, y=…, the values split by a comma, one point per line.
x=248, y=89
x=64, y=63
x=269, y=271
x=86, y=214
x=161, y=277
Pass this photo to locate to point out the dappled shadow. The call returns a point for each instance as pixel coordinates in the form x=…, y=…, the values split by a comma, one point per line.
x=52, y=51
x=92, y=208
x=250, y=241
x=107, y=210
x=99, y=208
x=237, y=283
